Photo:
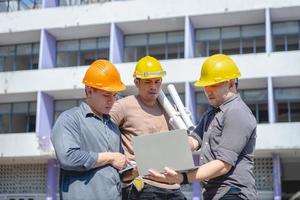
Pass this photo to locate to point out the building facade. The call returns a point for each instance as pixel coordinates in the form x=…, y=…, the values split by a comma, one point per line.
x=46, y=46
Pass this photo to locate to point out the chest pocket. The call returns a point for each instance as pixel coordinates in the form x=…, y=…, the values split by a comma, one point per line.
x=215, y=131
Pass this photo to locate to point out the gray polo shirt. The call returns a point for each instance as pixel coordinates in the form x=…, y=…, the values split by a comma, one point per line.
x=78, y=136
x=228, y=133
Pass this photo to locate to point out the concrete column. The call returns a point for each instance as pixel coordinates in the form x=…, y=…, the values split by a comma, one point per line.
x=276, y=177
x=271, y=101
x=189, y=39
x=116, y=44
x=190, y=104
x=52, y=179
x=44, y=121
x=47, y=57
x=49, y=3
x=268, y=31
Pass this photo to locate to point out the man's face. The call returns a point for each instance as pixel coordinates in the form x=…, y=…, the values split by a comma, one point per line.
x=101, y=101
x=217, y=93
x=148, y=88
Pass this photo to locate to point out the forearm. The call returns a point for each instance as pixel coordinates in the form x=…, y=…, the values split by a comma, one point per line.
x=210, y=170
x=104, y=159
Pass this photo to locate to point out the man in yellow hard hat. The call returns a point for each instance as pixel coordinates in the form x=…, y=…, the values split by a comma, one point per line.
x=86, y=141
x=142, y=114
x=227, y=137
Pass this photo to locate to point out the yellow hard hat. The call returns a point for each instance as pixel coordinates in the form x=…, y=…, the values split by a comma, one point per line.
x=103, y=75
x=216, y=69
x=148, y=67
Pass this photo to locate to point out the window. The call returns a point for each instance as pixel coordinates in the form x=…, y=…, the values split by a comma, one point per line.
x=17, y=117
x=230, y=40
x=14, y=5
x=287, y=104
x=19, y=57
x=163, y=45
x=81, y=52
x=286, y=36
x=201, y=105
x=257, y=101
x=79, y=2
x=62, y=105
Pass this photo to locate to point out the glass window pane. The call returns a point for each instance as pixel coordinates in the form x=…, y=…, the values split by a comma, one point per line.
x=73, y=56
x=13, y=5
x=175, y=37
x=158, y=51
x=208, y=34
x=87, y=57
x=129, y=54
x=230, y=32
x=157, y=38
x=62, y=105
x=23, y=62
x=175, y=51
x=3, y=6
x=19, y=117
x=279, y=43
x=103, y=43
x=260, y=44
x=253, y=109
x=282, y=112
x=103, y=54
x=214, y=47
x=295, y=112
x=5, y=117
x=135, y=40
x=248, y=46
x=140, y=52
x=287, y=94
x=7, y=63
x=255, y=95
x=230, y=47
x=88, y=44
x=292, y=42
x=285, y=28
x=32, y=107
x=71, y=45
x=62, y=59
x=263, y=113
x=201, y=49
x=24, y=49
x=7, y=50
x=253, y=31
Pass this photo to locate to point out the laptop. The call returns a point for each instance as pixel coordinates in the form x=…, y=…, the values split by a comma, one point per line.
x=166, y=149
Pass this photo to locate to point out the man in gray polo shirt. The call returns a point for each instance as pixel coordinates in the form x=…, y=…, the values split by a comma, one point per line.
x=227, y=135
x=87, y=143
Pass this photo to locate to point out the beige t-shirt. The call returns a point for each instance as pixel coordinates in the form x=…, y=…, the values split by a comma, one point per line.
x=136, y=118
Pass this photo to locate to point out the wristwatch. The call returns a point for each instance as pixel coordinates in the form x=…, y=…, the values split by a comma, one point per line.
x=184, y=178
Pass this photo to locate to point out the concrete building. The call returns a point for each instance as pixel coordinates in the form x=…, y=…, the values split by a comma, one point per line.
x=46, y=45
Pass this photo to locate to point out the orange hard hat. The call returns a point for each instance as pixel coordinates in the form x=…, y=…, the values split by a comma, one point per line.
x=102, y=74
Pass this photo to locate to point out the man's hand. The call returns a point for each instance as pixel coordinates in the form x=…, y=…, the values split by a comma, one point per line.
x=194, y=144
x=169, y=176
x=118, y=160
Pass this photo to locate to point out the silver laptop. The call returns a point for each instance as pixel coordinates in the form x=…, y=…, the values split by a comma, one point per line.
x=165, y=149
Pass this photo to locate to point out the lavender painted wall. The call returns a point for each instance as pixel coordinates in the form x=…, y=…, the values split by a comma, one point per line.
x=52, y=179
x=44, y=119
x=190, y=104
x=50, y=3
x=276, y=177
x=116, y=44
x=189, y=39
x=47, y=57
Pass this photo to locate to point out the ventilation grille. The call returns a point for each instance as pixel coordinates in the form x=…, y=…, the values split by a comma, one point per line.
x=23, y=178
x=263, y=173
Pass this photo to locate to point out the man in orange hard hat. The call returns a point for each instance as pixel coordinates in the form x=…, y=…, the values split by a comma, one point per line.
x=227, y=134
x=86, y=141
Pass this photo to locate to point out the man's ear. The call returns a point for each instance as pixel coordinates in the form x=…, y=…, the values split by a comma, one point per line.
x=88, y=90
x=136, y=82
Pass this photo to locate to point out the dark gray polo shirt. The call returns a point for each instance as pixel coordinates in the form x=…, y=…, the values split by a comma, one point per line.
x=228, y=133
x=78, y=136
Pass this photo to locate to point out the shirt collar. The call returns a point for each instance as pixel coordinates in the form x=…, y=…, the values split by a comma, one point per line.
x=87, y=112
x=228, y=101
